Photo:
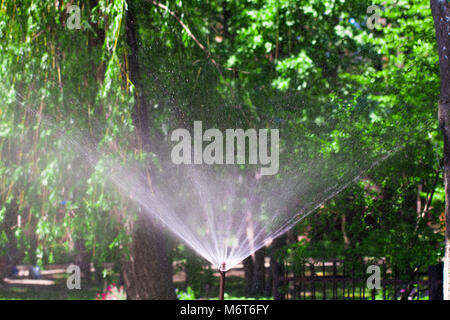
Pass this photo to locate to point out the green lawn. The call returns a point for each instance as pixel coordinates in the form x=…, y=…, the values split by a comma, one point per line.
x=55, y=292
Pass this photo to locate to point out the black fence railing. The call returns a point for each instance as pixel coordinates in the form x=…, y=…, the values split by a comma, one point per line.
x=338, y=280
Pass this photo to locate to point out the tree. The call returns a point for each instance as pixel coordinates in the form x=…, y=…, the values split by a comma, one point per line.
x=40, y=175
x=441, y=15
x=135, y=70
x=147, y=270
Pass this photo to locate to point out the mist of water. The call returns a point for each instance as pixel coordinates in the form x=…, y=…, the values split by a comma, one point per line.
x=227, y=212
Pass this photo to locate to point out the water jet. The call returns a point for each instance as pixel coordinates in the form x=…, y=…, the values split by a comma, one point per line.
x=226, y=213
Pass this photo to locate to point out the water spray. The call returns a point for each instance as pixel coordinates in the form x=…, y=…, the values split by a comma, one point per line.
x=222, y=271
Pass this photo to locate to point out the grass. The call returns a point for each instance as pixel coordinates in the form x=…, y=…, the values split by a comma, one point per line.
x=234, y=290
x=56, y=292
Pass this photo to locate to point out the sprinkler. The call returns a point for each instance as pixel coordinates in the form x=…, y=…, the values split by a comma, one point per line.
x=222, y=271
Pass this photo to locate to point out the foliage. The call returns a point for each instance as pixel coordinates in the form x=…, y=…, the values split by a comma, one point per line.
x=311, y=68
x=199, y=274
x=394, y=211
x=188, y=295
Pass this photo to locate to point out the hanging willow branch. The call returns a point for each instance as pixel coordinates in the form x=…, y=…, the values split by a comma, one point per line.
x=190, y=34
x=201, y=46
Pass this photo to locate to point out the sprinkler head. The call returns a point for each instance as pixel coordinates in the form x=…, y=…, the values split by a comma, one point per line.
x=222, y=270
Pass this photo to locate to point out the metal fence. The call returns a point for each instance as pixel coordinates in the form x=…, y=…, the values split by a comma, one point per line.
x=338, y=280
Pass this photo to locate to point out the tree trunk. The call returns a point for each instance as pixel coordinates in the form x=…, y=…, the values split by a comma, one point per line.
x=259, y=273
x=441, y=15
x=277, y=268
x=14, y=256
x=269, y=281
x=82, y=259
x=435, y=281
x=147, y=272
x=248, y=275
